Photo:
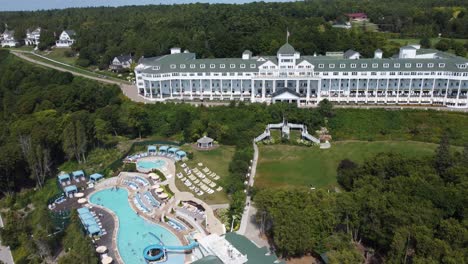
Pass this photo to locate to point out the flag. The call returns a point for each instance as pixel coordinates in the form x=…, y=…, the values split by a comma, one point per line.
x=287, y=35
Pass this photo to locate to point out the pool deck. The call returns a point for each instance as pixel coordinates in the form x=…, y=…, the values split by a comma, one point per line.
x=168, y=208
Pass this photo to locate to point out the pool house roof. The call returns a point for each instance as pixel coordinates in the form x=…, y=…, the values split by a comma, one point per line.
x=254, y=254
x=173, y=150
x=181, y=153
x=95, y=176
x=70, y=189
x=88, y=221
x=78, y=173
x=64, y=177
x=152, y=148
x=163, y=148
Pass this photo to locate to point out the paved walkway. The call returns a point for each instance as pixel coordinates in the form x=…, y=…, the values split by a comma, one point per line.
x=5, y=252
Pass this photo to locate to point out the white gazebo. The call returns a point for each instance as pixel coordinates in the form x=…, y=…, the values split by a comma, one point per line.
x=205, y=142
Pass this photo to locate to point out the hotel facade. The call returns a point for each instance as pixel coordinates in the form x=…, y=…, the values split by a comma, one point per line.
x=415, y=76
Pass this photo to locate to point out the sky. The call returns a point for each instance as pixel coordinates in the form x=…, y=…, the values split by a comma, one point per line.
x=28, y=5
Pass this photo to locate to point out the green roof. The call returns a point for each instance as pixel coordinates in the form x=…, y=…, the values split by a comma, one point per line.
x=255, y=255
x=287, y=49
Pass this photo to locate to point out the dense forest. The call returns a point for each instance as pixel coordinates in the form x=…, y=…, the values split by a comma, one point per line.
x=222, y=30
x=394, y=210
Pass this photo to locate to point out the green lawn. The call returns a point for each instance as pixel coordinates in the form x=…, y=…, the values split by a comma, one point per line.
x=58, y=54
x=289, y=166
x=406, y=41
x=217, y=160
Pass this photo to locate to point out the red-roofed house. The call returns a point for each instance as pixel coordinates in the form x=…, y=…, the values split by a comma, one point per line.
x=357, y=16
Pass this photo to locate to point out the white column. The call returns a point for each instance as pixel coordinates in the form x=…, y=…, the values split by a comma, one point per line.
x=410, y=89
x=459, y=90
x=308, y=92
x=274, y=86
x=211, y=88
x=151, y=89
x=297, y=86
x=191, y=89
x=160, y=90
x=241, y=90
x=398, y=90
x=446, y=92
x=433, y=89
x=252, y=91
x=230, y=95
x=357, y=90
x=421, y=90
x=367, y=88
x=339, y=90
x=263, y=90
x=144, y=90
x=377, y=91
x=386, y=90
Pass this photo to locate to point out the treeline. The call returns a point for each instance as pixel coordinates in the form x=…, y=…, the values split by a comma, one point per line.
x=221, y=30
x=394, y=210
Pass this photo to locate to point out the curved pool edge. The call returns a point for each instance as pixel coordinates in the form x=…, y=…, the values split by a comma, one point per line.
x=116, y=224
x=116, y=219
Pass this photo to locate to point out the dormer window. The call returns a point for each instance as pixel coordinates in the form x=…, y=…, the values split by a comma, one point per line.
x=396, y=65
x=232, y=66
x=430, y=65
x=192, y=66
x=242, y=66
x=321, y=66
x=386, y=65
x=182, y=66
x=441, y=65
x=363, y=65
x=253, y=66
x=202, y=66
x=342, y=66
x=222, y=66
x=375, y=65
x=418, y=65
x=156, y=68
x=462, y=66
x=173, y=66
x=212, y=66
x=407, y=65
x=331, y=66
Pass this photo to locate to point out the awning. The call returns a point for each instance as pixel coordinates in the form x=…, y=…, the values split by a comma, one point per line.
x=78, y=173
x=64, y=177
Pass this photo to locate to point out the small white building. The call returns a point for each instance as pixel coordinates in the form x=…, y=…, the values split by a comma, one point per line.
x=352, y=55
x=66, y=39
x=32, y=37
x=121, y=62
x=8, y=39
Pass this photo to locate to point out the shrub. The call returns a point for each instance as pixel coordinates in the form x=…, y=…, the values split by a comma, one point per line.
x=129, y=167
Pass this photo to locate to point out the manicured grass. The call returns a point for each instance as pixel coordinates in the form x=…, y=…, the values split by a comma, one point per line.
x=217, y=160
x=58, y=54
x=405, y=41
x=292, y=166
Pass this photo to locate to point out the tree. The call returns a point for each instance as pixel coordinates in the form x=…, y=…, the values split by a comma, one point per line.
x=75, y=141
x=443, y=158
x=425, y=42
x=325, y=108
x=46, y=40
x=443, y=45
x=38, y=158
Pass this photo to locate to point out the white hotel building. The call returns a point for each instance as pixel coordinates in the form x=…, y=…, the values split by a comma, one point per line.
x=413, y=77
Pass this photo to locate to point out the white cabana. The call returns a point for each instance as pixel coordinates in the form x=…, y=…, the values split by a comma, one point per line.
x=106, y=260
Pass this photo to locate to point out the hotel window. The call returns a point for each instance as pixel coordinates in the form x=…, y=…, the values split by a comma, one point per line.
x=232, y=66
x=331, y=66
x=418, y=65
x=342, y=66
x=222, y=66
x=192, y=66
x=462, y=66
x=156, y=68
x=407, y=65
x=386, y=65
x=396, y=65
x=252, y=66
x=363, y=65
x=212, y=66
x=430, y=65
x=441, y=65
x=353, y=65
x=202, y=66
x=182, y=66
x=309, y=66
x=375, y=65
x=242, y=66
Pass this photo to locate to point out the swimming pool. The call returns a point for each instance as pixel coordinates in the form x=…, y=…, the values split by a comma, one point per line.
x=149, y=165
x=135, y=233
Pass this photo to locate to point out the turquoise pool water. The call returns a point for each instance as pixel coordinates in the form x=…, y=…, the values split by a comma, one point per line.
x=135, y=233
x=149, y=165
